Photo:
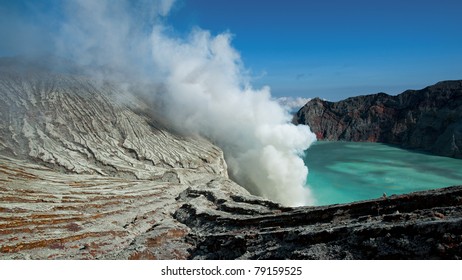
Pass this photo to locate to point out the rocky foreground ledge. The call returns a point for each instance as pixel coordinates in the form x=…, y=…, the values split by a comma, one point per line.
x=425, y=225
x=85, y=176
x=45, y=215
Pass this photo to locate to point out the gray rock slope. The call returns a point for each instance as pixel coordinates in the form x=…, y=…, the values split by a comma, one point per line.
x=429, y=119
x=74, y=124
x=87, y=173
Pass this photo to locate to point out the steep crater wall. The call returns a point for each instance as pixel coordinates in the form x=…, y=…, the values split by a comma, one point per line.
x=77, y=125
x=429, y=119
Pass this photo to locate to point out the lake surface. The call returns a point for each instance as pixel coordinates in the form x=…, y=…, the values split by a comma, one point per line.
x=342, y=172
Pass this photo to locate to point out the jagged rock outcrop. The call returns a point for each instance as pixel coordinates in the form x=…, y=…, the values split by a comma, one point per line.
x=87, y=173
x=429, y=119
x=425, y=225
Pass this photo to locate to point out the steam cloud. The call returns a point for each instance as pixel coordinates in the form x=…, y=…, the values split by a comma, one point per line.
x=205, y=89
x=209, y=95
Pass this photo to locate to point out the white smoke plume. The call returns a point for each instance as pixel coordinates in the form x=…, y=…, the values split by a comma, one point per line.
x=208, y=94
x=205, y=88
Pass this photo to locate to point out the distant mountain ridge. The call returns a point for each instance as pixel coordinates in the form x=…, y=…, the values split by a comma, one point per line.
x=429, y=119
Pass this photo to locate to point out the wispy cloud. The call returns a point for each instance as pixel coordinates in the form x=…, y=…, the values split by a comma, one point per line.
x=299, y=76
x=292, y=104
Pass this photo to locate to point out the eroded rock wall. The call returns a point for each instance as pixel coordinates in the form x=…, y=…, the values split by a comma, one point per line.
x=429, y=119
x=82, y=126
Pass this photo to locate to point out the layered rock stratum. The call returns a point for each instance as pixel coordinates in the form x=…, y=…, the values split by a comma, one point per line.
x=429, y=119
x=88, y=172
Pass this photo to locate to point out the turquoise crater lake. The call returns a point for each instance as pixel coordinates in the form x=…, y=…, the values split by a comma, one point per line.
x=341, y=172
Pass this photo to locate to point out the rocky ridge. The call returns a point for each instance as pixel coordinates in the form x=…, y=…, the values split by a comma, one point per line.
x=429, y=119
x=87, y=173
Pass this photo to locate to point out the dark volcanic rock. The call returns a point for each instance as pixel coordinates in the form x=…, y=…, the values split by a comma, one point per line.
x=429, y=119
x=422, y=225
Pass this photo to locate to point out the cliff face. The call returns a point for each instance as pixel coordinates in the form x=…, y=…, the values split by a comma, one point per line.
x=87, y=173
x=429, y=119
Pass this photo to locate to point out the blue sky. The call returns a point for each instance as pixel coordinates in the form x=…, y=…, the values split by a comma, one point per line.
x=330, y=48
x=335, y=48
